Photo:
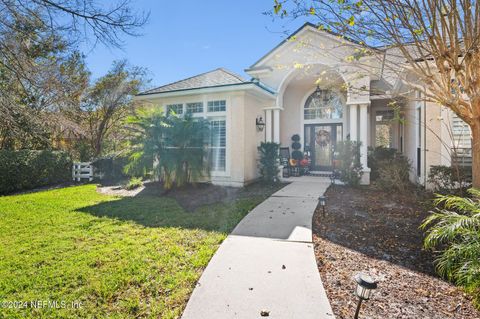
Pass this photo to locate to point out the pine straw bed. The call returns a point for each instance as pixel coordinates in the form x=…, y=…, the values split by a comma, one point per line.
x=368, y=230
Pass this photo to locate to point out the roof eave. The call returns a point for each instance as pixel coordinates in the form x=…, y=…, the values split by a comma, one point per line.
x=254, y=67
x=305, y=25
x=209, y=89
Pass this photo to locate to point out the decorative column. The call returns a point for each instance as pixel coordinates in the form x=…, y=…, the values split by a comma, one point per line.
x=276, y=126
x=363, y=123
x=363, y=134
x=353, y=122
x=268, y=125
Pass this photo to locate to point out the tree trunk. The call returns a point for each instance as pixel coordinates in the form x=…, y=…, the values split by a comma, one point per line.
x=99, y=138
x=476, y=154
x=97, y=146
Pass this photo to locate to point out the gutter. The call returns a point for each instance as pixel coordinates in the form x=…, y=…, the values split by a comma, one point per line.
x=208, y=89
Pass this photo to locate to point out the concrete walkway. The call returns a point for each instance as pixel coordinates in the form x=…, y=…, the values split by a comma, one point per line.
x=267, y=263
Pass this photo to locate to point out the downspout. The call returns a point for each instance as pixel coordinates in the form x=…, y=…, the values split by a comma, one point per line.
x=424, y=141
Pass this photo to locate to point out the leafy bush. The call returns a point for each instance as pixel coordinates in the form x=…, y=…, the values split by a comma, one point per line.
x=110, y=168
x=269, y=161
x=390, y=169
x=377, y=155
x=454, y=228
x=134, y=182
x=349, y=162
x=27, y=169
x=394, y=174
x=449, y=180
x=171, y=147
x=81, y=150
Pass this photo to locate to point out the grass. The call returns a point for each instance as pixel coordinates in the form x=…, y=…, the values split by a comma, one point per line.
x=119, y=257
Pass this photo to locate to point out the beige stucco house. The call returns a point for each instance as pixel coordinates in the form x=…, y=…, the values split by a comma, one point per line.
x=314, y=84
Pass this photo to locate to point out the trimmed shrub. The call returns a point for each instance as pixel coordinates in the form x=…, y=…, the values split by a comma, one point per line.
x=449, y=180
x=297, y=155
x=27, y=169
x=269, y=161
x=296, y=146
x=389, y=169
x=349, y=159
x=377, y=155
x=393, y=174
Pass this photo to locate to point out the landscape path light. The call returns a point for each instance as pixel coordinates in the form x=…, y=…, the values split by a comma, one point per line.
x=322, y=201
x=365, y=286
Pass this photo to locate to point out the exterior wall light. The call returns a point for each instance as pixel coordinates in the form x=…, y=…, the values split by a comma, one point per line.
x=365, y=286
x=322, y=200
x=260, y=123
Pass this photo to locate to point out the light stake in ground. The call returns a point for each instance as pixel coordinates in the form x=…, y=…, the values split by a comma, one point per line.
x=322, y=200
x=365, y=286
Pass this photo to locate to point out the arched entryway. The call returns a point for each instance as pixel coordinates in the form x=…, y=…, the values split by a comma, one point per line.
x=323, y=114
x=314, y=106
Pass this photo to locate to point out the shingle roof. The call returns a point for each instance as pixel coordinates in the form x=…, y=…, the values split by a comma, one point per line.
x=217, y=77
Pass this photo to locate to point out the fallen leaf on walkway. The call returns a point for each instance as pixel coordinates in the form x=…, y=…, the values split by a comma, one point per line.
x=264, y=313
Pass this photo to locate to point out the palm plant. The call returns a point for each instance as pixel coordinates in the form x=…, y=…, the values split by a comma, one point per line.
x=455, y=228
x=172, y=147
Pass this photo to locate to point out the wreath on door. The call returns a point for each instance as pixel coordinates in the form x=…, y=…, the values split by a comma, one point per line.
x=322, y=138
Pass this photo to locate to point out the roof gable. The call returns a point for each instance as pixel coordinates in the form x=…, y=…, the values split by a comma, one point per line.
x=217, y=77
x=303, y=28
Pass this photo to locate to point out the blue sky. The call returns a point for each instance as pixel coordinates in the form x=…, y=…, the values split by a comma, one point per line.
x=184, y=38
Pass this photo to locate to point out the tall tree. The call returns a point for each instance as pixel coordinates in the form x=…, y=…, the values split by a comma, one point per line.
x=110, y=100
x=56, y=79
x=38, y=38
x=432, y=45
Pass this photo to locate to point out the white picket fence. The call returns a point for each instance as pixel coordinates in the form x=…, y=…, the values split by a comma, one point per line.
x=82, y=170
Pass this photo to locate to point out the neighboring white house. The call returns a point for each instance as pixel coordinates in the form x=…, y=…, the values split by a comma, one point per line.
x=310, y=85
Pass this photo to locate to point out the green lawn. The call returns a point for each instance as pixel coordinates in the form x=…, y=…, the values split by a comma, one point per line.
x=119, y=257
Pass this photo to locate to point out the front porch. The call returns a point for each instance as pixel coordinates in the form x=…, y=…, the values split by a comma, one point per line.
x=318, y=106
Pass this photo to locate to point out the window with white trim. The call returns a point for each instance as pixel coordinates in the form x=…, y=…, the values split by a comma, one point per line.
x=384, y=128
x=324, y=104
x=216, y=106
x=218, y=144
x=175, y=108
x=196, y=107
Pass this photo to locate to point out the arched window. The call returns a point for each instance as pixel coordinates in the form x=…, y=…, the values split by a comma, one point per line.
x=324, y=104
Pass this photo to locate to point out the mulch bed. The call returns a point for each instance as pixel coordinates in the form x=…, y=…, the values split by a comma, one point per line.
x=375, y=232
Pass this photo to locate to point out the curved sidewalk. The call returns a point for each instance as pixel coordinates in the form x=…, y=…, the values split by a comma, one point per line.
x=267, y=264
